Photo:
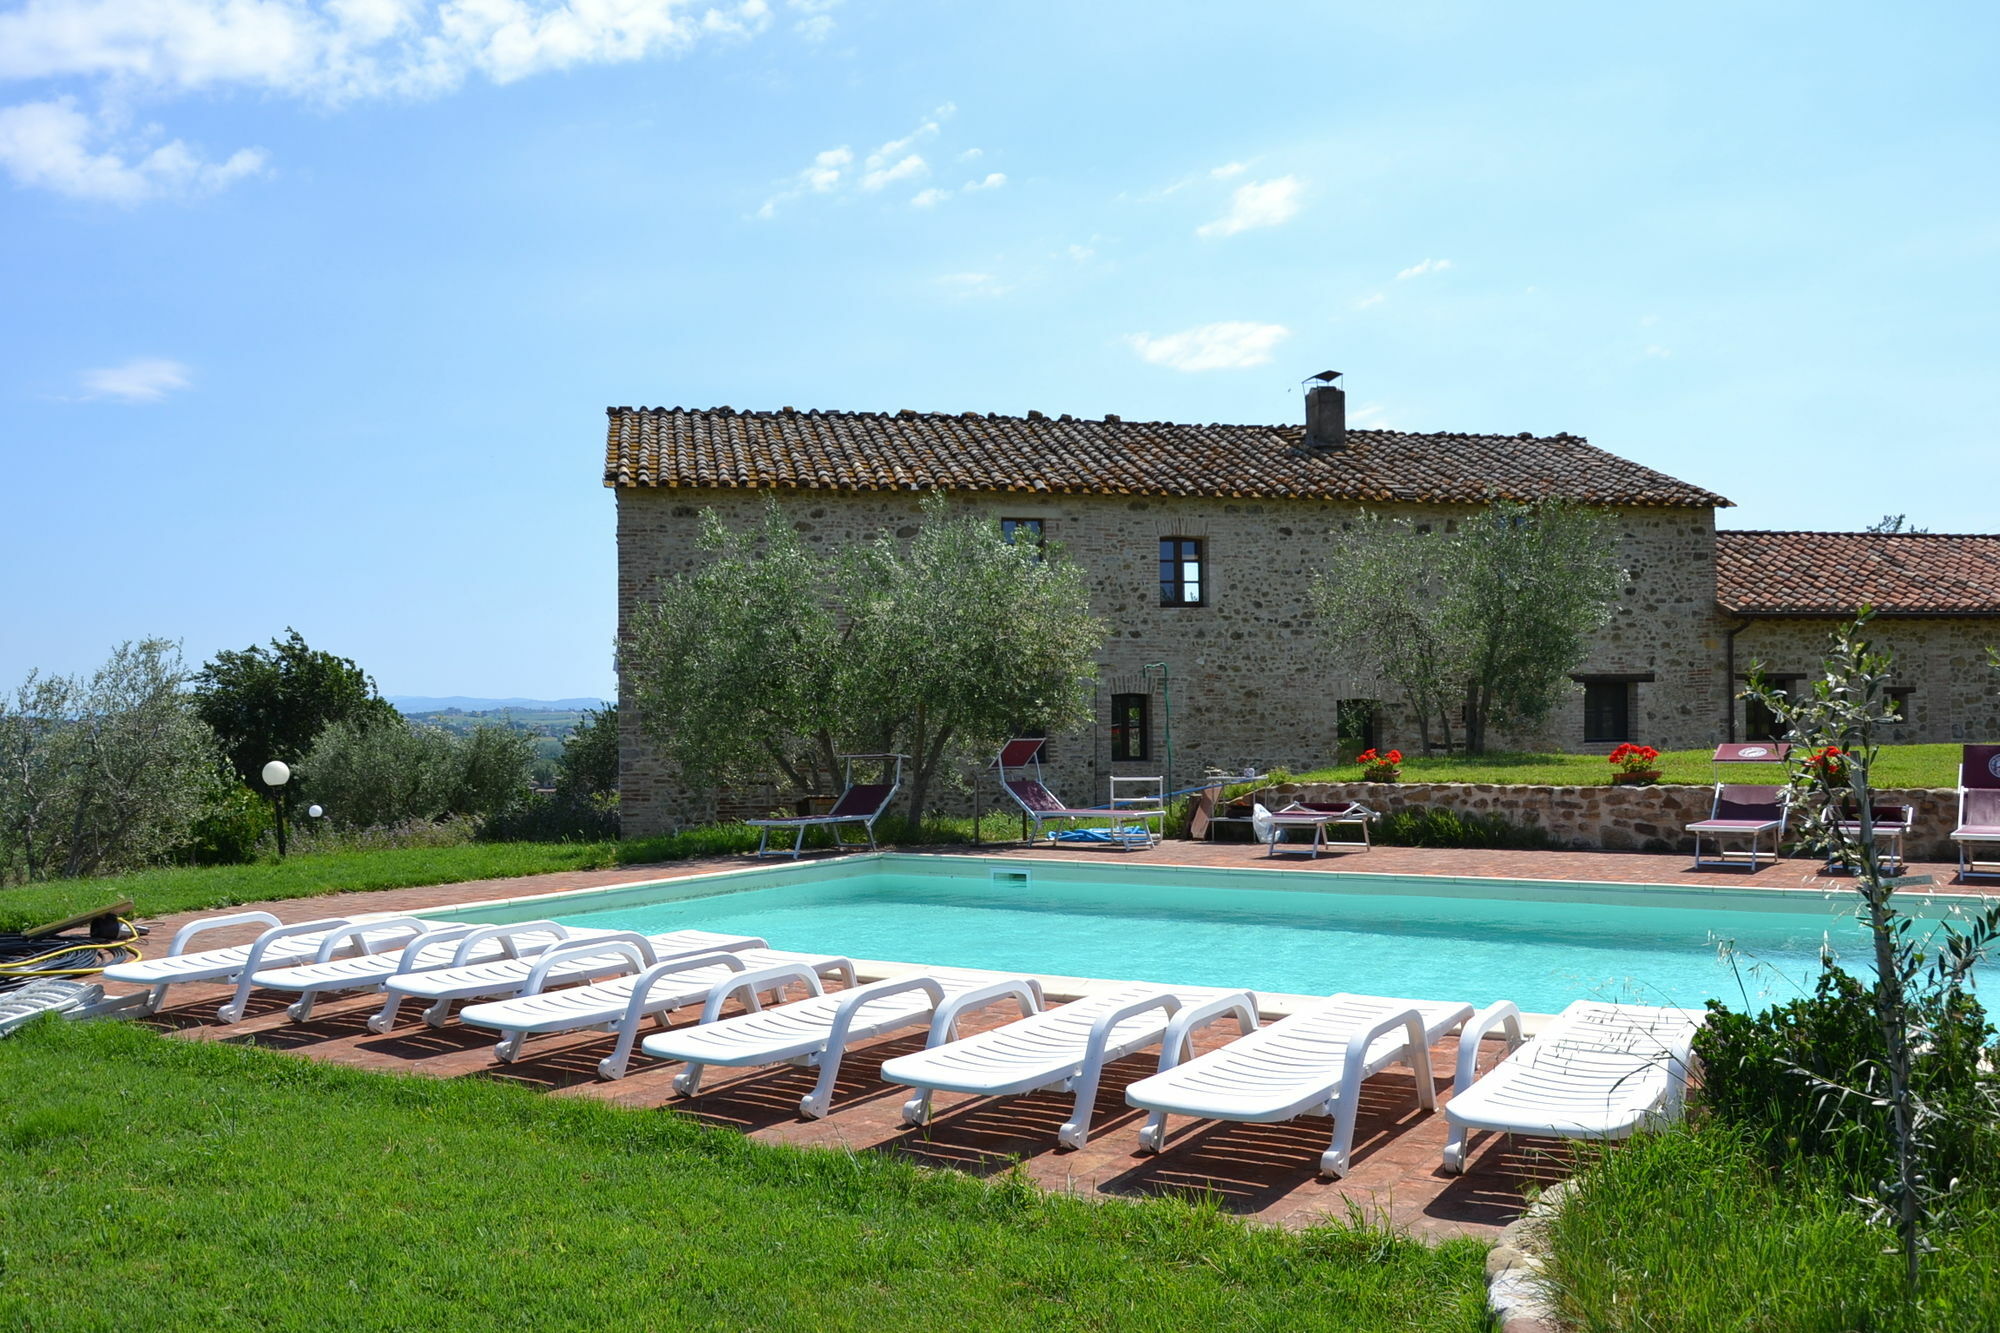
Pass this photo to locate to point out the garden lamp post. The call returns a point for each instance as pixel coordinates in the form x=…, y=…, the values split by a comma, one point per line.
x=276, y=774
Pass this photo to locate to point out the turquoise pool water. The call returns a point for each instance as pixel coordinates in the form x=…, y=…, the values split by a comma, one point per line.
x=1540, y=945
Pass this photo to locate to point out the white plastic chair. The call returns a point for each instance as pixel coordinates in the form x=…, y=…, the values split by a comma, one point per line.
x=468, y=980
x=1063, y=1049
x=816, y=1032
x=624, y=1003
x=279, y=944
x=1599, y=1071
x=1312, y=1063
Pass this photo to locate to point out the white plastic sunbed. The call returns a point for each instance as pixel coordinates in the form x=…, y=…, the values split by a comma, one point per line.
x=278, y=945
x=1063, y=1049
x=1311, y=1063
x=623, y=1004
x=816, y=1032
x=367, y=972
x=468, y=980
x=1600, y=1071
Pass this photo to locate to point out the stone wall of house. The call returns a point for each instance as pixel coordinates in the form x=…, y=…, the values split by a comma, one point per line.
x=1246, y=681
x=1954, y=692
x=1620, y=819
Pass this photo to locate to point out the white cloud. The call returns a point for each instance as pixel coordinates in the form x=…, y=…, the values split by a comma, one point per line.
x=972, y=155
x=54, y=146
x=892, y=162
x=1082, y=254
x=143, y=379
x=1230, y=345
x=327, y=51
x=1256, y=204
x=1659, y=352
x=1369, y=416
x=1372, y=299
x=339, y=50
x=1228, y=169
x=974, y=284
x=888, y=173
x=1418, y=270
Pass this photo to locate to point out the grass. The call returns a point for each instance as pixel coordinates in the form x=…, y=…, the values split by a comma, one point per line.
x=1685, y=1232
x=149, y=1182
x=1898, y=766
x=169, y=889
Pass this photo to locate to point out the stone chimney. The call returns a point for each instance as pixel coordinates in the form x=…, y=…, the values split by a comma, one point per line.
x=1326, y=412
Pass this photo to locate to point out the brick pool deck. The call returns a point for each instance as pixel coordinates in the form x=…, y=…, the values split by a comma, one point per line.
x=1262, y=1171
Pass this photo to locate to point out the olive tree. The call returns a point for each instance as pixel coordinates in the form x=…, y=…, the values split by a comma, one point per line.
x=1378, y=603
x=102, y=773
x=775, y=659
x=1490, y=617
x=961, y=639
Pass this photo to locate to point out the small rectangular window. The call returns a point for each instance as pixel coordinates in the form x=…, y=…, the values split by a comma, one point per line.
x=1759, y=722
x=1021, y=530
x=1131, y=727
x=1607, y=710
x=1899, y=702
x=1181, y=571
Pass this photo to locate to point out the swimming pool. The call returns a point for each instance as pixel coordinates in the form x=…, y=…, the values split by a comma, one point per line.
x=1540, y=944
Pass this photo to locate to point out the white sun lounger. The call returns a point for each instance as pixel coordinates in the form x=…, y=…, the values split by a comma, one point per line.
x=623, y=1004
x=329, y=971
x=1600, y=1071
x=468, y=980
x=279, y=944
x=816, y=1032
x=1311, y=1063
x=1063, y=1049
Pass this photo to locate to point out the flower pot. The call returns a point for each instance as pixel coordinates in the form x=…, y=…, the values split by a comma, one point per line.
x=1382, y=774
x=1645, y=777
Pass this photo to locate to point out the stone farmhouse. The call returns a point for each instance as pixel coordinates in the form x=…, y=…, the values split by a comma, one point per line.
x=1200, y=542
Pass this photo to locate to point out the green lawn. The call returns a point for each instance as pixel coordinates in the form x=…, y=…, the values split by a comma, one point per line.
x=1684, y=1232
x=185, y=889
x=1898, y=766
x=149, y=1182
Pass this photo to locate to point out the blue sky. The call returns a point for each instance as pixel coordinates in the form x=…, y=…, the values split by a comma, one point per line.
x=312, y=310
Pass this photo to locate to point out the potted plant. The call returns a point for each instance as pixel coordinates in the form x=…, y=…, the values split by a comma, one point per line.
x=1635, y=765
x=1829, y=765
x=1380, y=767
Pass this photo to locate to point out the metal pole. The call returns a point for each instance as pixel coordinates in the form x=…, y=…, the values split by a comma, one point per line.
x=278, y=805
x=1167, y=708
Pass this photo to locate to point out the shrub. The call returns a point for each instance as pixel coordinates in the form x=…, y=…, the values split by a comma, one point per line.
x=1437, y=826
x=1776, y=1076
x=228, y=829
x=555, y=817
x=493, y=764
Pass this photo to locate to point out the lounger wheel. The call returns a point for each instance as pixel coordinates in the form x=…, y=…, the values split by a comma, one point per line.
x=1454, y=1154
x=917, y=1110
x=508, y=1050
x=611, y=1069
x=230, y=1013
x=438, y=1014
x=1073, y=1134
x=1153, y=1138
x=813, y=1106
x=300, y=1011
x=688, y=1080
x=1333, y=1164
x=381, y=1023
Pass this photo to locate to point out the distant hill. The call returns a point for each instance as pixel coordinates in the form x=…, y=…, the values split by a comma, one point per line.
x=419, y=703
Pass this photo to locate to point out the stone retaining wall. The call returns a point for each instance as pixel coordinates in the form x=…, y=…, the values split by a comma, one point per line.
x=1612, y=818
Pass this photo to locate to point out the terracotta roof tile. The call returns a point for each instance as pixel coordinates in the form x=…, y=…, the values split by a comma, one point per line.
x=872, y=451
x=1833, y=573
